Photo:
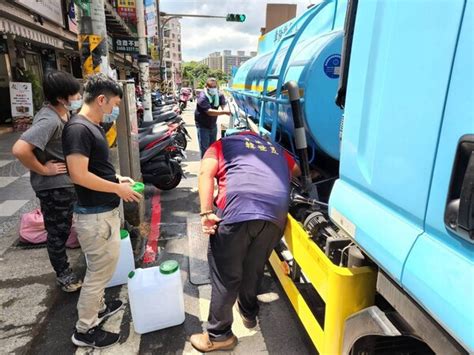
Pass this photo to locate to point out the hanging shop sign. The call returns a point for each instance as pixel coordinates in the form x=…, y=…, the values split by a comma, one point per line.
x=126, y=9
x=50, y=9
x=126, y=45
x=71, y=18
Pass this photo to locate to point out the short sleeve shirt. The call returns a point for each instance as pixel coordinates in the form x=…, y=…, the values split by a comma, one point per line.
x=45, y=134
x=253, y=178
x=81, y=136
x=203, y=120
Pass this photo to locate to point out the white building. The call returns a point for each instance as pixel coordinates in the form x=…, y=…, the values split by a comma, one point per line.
x=226, y=60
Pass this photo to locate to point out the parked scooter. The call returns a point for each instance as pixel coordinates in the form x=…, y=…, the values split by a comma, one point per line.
x=184, y=96
x=159, y=165
x=162, y=109
x=151, y=135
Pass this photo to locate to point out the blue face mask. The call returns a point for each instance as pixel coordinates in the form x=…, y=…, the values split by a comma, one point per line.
x=212, y=91
x=111, y=117
x=74, y=105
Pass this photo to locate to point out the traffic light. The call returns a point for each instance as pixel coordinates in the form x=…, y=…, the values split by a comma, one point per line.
x=235, y=17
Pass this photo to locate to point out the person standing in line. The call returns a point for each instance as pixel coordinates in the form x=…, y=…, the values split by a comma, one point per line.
x=96, y=215
x=40, y=150
x=253, y=178
x=206, y=113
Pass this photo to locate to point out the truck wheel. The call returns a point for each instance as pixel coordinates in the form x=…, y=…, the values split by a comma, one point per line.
x=400, y=345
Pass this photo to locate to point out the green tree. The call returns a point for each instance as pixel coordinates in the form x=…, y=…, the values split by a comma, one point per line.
x=37, y=90
x=222, y=77
x=196, y=73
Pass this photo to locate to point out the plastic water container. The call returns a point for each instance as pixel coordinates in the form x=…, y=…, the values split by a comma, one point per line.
x=156, y=297
x=126, y=262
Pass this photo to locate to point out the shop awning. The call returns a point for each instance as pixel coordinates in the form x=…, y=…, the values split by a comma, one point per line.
x=7, y=26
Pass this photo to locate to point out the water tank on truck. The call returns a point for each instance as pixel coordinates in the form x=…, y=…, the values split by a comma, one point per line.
x=306, y=50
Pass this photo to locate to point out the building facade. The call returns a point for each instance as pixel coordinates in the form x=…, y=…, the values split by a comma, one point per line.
x=225, y=60
x=172, y=55
x=171, y=42
x=278, y=14
x=37, y=36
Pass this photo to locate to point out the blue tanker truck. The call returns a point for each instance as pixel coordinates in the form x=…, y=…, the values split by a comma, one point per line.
x=375, y=98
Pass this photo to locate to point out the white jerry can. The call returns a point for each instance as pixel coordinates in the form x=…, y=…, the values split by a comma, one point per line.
x=126, y=262
x=156, y=297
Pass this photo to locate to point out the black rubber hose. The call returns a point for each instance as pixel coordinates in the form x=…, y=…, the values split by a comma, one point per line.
x=299, y=133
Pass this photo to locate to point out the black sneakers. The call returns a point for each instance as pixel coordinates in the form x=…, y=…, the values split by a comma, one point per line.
x=110, y=309
x=96, y=338
x=68, y=281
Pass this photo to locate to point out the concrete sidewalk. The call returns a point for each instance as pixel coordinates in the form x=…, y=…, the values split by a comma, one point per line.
x=37, y=318
x=27, y=286
x=16, y=194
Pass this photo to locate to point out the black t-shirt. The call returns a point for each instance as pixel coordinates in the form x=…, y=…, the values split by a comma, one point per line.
x=86, y=138
x=202, y=119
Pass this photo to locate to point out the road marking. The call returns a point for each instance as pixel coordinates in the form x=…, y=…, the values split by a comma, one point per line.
x=249, y=339
x=5, y=162
x=10, y=207
x=152, y=243
x=130, y=346
x=7, y=180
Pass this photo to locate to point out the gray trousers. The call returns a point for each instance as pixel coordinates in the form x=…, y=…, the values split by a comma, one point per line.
x=237, y=255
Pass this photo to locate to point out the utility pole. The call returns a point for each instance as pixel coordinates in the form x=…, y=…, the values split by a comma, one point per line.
x=93, y=47
x=92, y=37
x=143, y=61
x=160, y=55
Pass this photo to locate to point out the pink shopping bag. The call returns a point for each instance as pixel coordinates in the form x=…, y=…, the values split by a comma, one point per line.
x=32, y=230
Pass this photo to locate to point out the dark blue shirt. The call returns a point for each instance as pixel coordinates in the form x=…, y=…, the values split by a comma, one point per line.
x=203, y=120
x=253, y=176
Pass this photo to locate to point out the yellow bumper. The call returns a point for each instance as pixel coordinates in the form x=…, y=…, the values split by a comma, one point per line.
x=344, y=290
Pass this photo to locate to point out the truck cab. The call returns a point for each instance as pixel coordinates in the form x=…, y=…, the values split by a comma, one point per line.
x=406, y=179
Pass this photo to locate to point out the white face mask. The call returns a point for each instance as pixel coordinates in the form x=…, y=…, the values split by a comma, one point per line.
x=212, y=91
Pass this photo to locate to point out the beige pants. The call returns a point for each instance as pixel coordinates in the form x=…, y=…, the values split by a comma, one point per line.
x=99, y=236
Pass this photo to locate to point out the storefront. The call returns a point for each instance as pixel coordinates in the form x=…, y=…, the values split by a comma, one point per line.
x=26, y=54
x=4, y=79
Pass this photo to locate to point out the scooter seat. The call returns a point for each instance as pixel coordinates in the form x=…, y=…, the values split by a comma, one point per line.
x=164, y=116
x=155, y=153
x=159, y=118
x=151, y=130
x=161, y=109
x=154, y=127
x=142, y=130
x=146, y=139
